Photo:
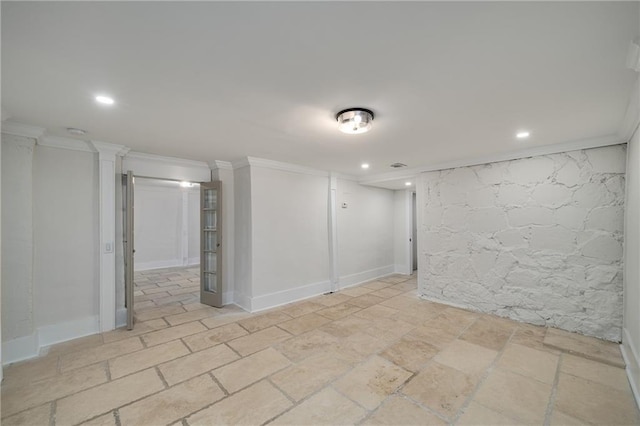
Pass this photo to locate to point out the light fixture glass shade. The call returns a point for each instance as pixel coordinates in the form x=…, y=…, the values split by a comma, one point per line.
x=355, y=120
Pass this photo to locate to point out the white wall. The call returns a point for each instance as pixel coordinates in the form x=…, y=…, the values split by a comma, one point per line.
x=401, y=227
x=167, y=223
x=65, y=235
x=17, y=238
x=289, y=230
x=243, y=253
x=631, y=330
x=536, y=239
x=365, y=232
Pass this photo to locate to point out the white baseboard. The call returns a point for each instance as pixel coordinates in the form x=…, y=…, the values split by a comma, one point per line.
x=278, y=298
x=193, y=261
x=632, y=361
x=27, y=347
x=157, y=264
x=364, y=276
x=121, y=317
x=243, y=301
x=228, y=298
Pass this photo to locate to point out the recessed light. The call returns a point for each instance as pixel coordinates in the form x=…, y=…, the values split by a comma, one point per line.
x=105, y=100
x=365, y=166
x=523, y=135
x=186, y=184
x=407, y=183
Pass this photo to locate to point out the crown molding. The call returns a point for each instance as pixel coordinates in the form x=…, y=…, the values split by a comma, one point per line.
x=506, y=156
x=66, y=143
x=109, y=148
x=19, y=129
x=244, y=162
x=220, y=165
x=287, y=167
x=166, y=160
x=632, y=114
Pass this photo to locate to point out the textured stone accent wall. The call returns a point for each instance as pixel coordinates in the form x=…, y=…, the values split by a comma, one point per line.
x=537, y=240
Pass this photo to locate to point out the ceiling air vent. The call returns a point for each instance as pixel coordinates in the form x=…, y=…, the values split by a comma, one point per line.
x=397, y=165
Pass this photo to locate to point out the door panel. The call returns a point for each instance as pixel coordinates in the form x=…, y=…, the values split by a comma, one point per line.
x=211, y=243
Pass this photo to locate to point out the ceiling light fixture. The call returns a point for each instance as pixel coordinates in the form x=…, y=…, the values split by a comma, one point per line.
x=365, y=166
x=354, y=120
x=186, y=184
x=76, y=132
x=105, y=100
x=407, y=183
x=523, y=135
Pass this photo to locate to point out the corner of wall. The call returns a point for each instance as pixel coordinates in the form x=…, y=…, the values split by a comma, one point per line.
x=632, y=361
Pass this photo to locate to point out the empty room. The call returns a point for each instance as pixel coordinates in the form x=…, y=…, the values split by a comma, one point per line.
x=304, y=213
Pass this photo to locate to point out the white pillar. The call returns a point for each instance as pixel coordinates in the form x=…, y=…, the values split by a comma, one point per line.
x=333, y=233
x=107, y=207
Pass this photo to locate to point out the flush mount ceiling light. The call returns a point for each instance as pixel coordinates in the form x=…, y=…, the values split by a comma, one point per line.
x=407, y=183
x=106, y=100
x=365, y=165
x=354, y=120
x=523, y=135
x=76, y=132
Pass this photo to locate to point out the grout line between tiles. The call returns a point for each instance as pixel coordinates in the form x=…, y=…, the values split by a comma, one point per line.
x=554, y=392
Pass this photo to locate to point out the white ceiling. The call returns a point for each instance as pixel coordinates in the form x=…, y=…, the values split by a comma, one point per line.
x=220, y=81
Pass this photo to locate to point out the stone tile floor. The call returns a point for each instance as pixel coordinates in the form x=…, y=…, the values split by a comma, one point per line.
x=371, y=354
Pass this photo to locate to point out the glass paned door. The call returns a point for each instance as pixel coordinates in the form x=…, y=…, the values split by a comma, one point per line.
x=211, y=242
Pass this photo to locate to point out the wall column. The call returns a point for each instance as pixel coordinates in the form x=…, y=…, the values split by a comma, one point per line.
x=107, y=207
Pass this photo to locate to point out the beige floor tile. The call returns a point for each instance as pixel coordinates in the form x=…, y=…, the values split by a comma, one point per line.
x=355, y=291
x=260, y=322
x=259, y=340
x=302, y=308
x=172, y=333
x=558, y=418
x=345, y=327
x=478, y=415
x=357, y=347
x=108, y=419
x=189, y=316
x=246, y=371
x=377, y=311
x=158, y=312
x=433, y=335
x=338, y=311
x=253, y=406
x=595, y=403
x=146, y=358
x=466, y=357
x=35, y=416
x=76, y=345
x=410, y=353
x=531, y=336
x=401, y=411
x=586, y=347
x=332, y=299
x=31, y=370
x=539, y=365
x=300, y=347
x=401, y=303
x=327, y=407
x=595, y=371
x=386, y=293
x=515, y=396
x=388, y=329
x=395, y=279
x=197, y=363
x=377, y=285
x=173, y=403
x=371, y=382
x=443, y=389
x=98, y=400
x=306, y=377
x=138, y=329
x=194, y=306
x=304, y=323
x=20, y=396
x=149, y=291
x=492, y=333
x=101, y=353
x=221, y=320
x=366, y=300
x=206, y=339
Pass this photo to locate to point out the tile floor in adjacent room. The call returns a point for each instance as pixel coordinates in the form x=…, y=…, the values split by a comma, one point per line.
x=371, y=354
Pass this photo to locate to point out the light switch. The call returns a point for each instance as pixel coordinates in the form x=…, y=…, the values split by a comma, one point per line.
x=108, y=248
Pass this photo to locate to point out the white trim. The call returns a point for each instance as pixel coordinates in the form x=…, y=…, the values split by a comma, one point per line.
x=243, y=301
x=168, y=160
x=30, y=346
x=364, y=276
x=66, y=143
x=283, y=297
x=228, y=298
x=155, y=166
x=506, y=156
x=332, y=218
x=23, y=141
x=244, y=162
x=217, y=164
x=121, y=317
x=19, y=129
x=109, y=148
x=632, y=361
x=632, y=114
x=287, y=167
x=158, y=264
x=345, y=177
